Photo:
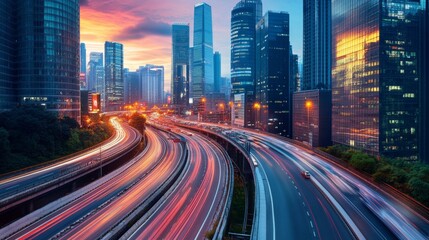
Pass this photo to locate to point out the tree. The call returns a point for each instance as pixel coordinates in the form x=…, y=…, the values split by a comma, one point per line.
x=138, y=122
x=364, y=162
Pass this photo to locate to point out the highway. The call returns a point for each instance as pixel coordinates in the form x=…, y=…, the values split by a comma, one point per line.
x=340, y=205
x=91, y=213
x=14, y=187
x=192, y=207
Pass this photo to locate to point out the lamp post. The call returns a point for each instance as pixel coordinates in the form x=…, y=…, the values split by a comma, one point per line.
x=257, y=107
x=309, y=105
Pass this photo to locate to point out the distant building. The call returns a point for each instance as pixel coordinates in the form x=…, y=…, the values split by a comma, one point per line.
x=295, y=78
x=39, y=55
x=217, y=71
x=180, y=65
x=152, y=83
x=311, y=124
x=244, y=18
x=133, y=87
x=114, y=67
x=376, y=76
x=238, y=110
x=95, y=73
x=273, y=98
x=317, y=45
x=82, y=58
x=202, y=66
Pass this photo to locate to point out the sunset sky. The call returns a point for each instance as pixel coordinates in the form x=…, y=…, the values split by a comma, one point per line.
x=144, y=27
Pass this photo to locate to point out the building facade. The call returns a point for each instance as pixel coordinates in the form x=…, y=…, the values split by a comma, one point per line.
x=152, y=85
x=217, y=66
x=93, y=71
x=376, y=77
x=82, y=58
x=317, y=45
x=273, y=98
x=132, y=90
x=244, y=18
x=180, y=65
x=202, y=66
x=114, y=76
x=42, y=60
x=312, y=117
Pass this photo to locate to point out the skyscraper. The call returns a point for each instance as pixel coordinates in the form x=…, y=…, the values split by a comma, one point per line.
x=376, y=76
x=132, y=89
x=93, y=73
x=8, y=53
x=424, y=100
x=272, y=74
x=317, y=45
x=39, y=63
x=82, y=58
x=180, y=65
x=244, y=17
x=202, y=67
x=152, y=83
x=114, y=75
x=217, y=71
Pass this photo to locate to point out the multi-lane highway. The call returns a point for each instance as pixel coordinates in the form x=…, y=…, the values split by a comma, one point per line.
x=94, y=211
x=334, y=202
x=194, y=205
x=33, y=182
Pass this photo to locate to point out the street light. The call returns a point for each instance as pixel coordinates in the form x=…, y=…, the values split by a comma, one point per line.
x=309, y=105
x=257, y=107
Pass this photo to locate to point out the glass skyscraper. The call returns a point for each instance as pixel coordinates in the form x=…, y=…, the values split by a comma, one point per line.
x=180, y=65
x=317, y=45
x=244, y=17
x=376, y=76
x=152, y=83
x=217, y=71
x=273, y=114
x=45, y=50
x=82, y=58
x=202, y=67
x=114, y=75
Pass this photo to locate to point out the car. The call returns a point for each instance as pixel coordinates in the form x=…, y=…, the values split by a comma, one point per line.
x=306, y=174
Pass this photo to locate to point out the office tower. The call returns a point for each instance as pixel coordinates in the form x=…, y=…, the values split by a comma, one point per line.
x=244, y=17
x=152, y=83
x=114, y=70
x=180, y=65
x=217, y=71
x=39, y=55
x=272, y=74
x=202, y=67
x=95, y=62
x=424, y=100
x=375, y=76
x=317, y=45
x=295, y=77
x=82, y=58
x=132, y=90
x=8, y=53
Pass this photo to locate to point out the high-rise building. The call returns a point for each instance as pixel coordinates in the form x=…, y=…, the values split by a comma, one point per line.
x=202, y=67
x=92, y=76
x=180, y=65
x=295, y=77
x=82, y=58
x=132, y=90
x=217, y=71
x=152, y=83
x=424, y=121
x=8, y=54
x=244, y=17
x=317, y=45
x=39, y=63
x=273, y=98
x=375, y=76
x=114, y=75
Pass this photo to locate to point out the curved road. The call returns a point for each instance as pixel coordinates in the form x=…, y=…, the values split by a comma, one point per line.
x=35, y=180
x=93, y=213
x=191, y=209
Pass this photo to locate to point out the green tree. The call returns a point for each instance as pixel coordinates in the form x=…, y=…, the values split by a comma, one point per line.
x=419, y=190
x=363, y=162
x=138, y=122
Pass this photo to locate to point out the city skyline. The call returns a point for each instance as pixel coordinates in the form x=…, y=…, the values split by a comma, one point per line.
x=145, y=28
